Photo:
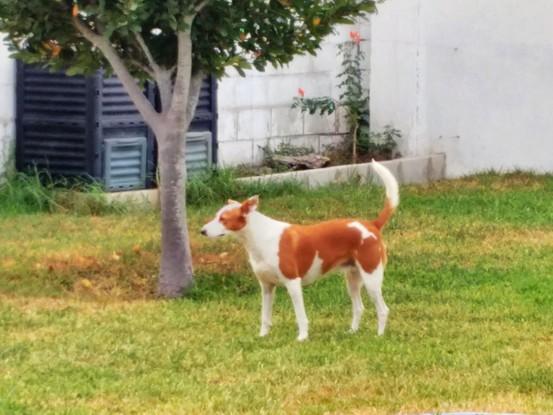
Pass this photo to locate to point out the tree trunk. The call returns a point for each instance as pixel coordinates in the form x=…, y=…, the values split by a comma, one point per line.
x=176, y=273
x=178, y=106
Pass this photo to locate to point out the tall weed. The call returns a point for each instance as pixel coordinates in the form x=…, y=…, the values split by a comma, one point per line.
x=36, y=192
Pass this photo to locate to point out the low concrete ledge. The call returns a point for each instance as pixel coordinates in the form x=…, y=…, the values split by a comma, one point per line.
x=407, y=170
x=148, y=197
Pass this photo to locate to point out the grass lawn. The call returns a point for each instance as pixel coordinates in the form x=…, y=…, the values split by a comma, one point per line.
x=469, y=284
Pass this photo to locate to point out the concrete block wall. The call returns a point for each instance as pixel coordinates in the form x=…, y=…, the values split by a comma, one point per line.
x=255, y=111
x=7, y=111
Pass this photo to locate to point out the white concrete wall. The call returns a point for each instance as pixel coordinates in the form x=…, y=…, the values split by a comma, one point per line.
x=470, y=78
x=255, y=110
x=7, y=110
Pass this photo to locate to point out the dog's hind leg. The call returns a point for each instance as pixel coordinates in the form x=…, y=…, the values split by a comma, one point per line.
x=267, y=298
x=296, y=294
x=373, y=284
x=354, y=283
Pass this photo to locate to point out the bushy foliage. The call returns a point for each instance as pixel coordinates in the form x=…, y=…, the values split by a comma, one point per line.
x=236, y=33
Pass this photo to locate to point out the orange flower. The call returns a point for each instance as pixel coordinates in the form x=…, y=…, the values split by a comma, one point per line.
x=355, y=37
x=316, y=21
x=75, y=10
x=53, y=46
x=56, y=50
x=301, y=91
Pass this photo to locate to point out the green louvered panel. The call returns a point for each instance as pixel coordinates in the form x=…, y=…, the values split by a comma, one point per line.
x=125, y=163
x=198, y=151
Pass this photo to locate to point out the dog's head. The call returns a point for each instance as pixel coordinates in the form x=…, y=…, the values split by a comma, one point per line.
x=231, y=218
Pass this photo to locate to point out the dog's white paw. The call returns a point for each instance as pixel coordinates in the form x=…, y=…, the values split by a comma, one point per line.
x=302, y=337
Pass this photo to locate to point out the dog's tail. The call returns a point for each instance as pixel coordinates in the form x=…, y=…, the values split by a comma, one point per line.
x=392, y=194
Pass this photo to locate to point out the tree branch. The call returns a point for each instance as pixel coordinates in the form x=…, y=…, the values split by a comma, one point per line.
x=194, y=94
x=162, y=76
x=181, y=88
x=200, y=6
x=147, y=52
x=165, y=86
x=143, y=68
x=86, y=31
x=150, y=115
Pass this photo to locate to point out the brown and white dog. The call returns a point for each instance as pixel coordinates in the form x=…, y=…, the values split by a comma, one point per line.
x=295, y=255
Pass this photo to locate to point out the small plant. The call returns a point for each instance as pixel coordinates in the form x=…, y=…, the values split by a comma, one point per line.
x=382, y=144
x=354, y=99
x=356, y=102
x=371, y=145
x=324, y=105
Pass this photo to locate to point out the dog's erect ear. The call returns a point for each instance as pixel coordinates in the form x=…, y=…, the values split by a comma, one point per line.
x=230, y=202
x=250, y=204
x=254, y=201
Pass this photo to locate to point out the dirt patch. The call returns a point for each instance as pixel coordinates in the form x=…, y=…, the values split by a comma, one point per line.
x=128, y=274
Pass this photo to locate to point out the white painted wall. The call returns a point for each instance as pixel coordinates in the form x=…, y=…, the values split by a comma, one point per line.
x=255, y=110
x=7, y=110
x=470, y=78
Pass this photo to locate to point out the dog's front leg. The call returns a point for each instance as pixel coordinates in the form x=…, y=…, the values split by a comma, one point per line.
x=267, y=297
x=295, y=290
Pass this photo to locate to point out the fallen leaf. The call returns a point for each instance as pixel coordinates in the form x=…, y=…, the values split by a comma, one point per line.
x=85, y=282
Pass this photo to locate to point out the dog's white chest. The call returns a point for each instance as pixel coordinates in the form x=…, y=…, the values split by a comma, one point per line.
x=264, y=271
x=264, y=257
